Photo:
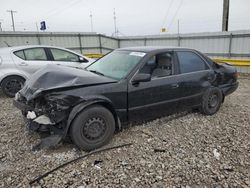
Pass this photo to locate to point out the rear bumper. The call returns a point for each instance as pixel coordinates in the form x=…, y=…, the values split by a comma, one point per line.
x=228, y=89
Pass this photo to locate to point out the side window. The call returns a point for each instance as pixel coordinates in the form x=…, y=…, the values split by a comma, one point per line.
x=20, y=54
x=160, y=65
x=35, y=54
x=190, y=62
x=61, y=55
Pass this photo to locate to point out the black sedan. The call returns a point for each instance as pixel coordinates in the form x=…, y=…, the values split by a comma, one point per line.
x=126, y=85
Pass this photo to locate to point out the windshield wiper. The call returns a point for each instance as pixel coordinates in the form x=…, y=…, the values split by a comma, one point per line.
x=97, y=72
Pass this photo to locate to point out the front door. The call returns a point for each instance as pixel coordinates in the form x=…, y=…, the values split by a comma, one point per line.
x=155, y=98
x=65, y=58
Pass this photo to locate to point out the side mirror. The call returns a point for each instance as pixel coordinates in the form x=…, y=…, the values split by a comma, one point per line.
x=141, y=77
x=83, y=60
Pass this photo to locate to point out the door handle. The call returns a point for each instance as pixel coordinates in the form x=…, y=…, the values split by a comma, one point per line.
x=175, y=85
x=23, y=64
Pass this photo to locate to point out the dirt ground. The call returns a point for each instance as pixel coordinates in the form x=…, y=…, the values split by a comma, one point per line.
x=190, y=151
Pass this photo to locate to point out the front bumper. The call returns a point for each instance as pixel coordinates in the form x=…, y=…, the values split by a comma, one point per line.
x=22, y=106
x=228, y=89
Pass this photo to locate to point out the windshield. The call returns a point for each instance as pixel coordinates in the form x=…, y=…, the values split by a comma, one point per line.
x=117, y=64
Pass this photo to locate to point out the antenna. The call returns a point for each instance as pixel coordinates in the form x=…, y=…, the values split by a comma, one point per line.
x=91, y=21
x=116, y=31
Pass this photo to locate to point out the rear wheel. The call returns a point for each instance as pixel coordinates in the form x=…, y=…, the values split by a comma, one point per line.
x=211, y=101
x=92, y=128
x=11, y=85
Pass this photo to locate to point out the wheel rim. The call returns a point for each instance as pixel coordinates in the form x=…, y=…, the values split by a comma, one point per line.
x=13, y=86
x=213, y=101
x=94, y=128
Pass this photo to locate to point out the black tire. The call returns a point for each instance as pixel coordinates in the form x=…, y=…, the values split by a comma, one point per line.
x=11, y=85
x=211, y=101
x=92, y=128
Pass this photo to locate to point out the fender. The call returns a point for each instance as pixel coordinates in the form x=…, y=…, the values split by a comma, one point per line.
x=12, y=73
x=83, y=105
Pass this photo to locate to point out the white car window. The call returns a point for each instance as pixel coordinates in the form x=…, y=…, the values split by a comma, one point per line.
x=35, y=54
x=20, y=54
x=61, y=55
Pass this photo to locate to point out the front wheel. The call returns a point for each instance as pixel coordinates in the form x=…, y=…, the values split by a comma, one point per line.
x=211, y=101
x=92, y=128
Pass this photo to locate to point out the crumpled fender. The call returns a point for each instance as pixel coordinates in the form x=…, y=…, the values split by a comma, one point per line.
x=81, y=106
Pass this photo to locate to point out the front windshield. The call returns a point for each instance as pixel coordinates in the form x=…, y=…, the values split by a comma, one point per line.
x=117, y=64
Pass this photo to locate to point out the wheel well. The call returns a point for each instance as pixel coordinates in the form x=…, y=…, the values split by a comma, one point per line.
x=111, y=109
x=11, y=76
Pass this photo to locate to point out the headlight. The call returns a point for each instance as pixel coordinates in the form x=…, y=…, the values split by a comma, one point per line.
x=17, y=96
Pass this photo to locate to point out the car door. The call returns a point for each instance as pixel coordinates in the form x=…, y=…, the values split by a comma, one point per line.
x=147, y=100
x=30, y=60
x=195, y=76
x=66, y=58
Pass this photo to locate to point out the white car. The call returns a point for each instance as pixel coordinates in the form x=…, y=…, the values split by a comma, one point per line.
x=18, y=63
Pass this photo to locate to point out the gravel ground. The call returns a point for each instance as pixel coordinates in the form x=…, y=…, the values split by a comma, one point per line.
x=190, y=151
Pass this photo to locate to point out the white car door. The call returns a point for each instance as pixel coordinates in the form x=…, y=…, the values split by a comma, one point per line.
x=30, y=60
x=66, y=58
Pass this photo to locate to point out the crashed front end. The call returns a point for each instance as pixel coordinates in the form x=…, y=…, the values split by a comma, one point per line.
x=47, y=113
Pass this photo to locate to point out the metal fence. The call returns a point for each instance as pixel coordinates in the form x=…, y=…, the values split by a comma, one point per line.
x=217, y=44
x=234, y=44
x=79, y=42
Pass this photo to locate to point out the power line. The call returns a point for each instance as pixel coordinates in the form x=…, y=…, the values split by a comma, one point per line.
x=176, y=12
x=167, y=13
x=12, y=18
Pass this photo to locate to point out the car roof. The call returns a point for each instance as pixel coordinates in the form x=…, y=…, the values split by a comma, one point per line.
x=148, y=49
x=15, y=48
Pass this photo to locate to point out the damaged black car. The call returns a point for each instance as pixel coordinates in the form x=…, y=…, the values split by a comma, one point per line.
x=126, y=85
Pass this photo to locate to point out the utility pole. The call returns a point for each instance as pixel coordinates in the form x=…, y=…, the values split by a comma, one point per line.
x=178, y=26
x=116, y=31
x=91, y=21
x=225, y=17
x=1, y=29
x=37, y=30
x=12, y=17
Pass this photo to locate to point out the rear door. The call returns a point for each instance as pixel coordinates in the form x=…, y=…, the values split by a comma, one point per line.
x=32, y=59
x=66, y=58
x=195, y=76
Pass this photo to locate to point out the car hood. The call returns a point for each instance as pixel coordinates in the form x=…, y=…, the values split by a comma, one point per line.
x=54, y=77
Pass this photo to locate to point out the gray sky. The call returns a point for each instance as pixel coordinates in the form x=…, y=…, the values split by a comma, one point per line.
x=134, y=17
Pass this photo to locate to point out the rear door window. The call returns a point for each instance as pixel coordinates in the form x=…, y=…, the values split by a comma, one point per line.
x=37, y=54
x=190, y=62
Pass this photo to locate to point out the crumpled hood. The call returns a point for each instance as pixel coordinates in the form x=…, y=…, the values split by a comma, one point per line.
x=57, y=77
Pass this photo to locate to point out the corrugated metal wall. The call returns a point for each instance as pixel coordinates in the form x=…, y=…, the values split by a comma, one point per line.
x=80, y=42
x=217, y=44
